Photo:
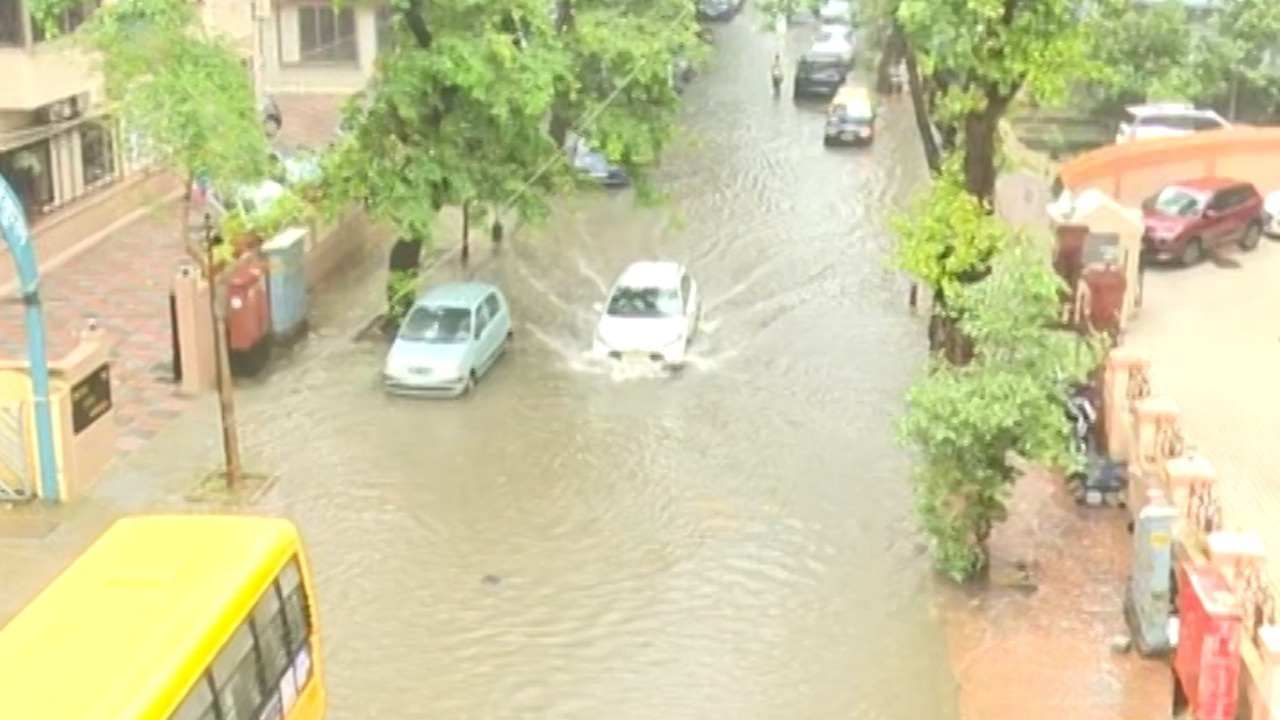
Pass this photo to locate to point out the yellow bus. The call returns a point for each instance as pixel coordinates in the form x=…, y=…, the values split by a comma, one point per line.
x=181, y=617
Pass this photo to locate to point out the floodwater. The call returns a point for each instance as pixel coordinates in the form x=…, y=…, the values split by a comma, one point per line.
x=578, y=541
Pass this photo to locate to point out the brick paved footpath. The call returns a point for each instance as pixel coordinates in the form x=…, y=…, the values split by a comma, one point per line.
x=123, y=282
x=1042, y=649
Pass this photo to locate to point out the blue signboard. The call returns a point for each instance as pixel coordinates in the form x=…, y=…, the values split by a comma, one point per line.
x=13, y=225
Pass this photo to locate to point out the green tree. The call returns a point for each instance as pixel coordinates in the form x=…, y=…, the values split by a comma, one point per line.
x=967, y=422
x=979, y=55
x=185, y=92
x=454, y=115
x=621, y=95
x=1147, y=52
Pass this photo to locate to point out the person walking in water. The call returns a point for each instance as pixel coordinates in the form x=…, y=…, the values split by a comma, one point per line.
x=775, y=74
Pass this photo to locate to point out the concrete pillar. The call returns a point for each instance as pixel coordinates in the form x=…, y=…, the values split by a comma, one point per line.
x=1269, y=647
x=1126, y=373
x=1236, y=555
x=195, y=331
x=1154, y=417
x=1184, y=473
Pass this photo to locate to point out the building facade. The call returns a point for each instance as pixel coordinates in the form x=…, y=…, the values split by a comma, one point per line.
x=59, y=148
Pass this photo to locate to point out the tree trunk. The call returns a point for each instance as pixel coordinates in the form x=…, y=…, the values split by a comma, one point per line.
x=980, y=130
x=932, y=154
x=466, y=231
x=226, y=393
x=561, y=107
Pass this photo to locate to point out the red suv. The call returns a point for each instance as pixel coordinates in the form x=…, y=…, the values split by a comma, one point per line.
x=1186, y=219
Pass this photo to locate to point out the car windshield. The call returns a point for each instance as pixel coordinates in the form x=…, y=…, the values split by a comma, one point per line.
x=820, y=62
x=647, y=302
x=437, y=325
x=1179, y=202
x=856, y=113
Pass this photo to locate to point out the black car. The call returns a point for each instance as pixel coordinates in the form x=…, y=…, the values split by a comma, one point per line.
x=819, y=74
x=717, y=9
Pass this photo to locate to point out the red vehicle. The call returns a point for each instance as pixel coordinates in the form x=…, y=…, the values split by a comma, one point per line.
x=1187, y=219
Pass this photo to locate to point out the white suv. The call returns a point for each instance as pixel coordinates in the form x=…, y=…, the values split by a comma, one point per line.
x=1160, y=120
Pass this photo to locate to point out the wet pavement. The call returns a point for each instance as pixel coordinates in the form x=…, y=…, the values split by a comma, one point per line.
x=577, y=540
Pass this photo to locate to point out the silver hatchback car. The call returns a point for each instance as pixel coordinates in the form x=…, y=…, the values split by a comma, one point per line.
x=453, y=334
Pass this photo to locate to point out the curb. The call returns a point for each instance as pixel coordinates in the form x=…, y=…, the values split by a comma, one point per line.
x=434, y=264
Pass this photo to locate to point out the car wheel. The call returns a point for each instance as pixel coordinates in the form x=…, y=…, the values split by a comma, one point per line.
x=1193, y=252
x=1252, y=236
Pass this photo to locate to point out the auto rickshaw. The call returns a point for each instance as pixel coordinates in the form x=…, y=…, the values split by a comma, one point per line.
x=851, y=117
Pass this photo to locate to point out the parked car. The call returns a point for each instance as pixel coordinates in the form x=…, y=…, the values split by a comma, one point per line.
x=296, y=166
x=1161, y=120
x=1187, y=219
x=718, y=9
x=851, y=119
x=651, y=313
x=592, y=164
x=836, y=11
x=1271, y=214
x=819, y=73
x=835, y=40
x=451, y=337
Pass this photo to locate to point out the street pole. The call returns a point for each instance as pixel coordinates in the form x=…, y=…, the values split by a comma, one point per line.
x=13, y=226
x=226, y=398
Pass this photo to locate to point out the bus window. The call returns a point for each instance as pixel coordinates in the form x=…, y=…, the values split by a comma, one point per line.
x=273, y=636
x=236, y=676
x=199, y=704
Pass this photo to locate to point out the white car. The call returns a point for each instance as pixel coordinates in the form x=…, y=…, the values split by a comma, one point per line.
x=1271, y=214
x=836, y=12
x=651, y=314
x=835, y=40
x=1162, y=120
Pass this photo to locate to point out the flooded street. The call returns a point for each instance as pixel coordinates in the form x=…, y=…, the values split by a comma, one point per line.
x=578, y=541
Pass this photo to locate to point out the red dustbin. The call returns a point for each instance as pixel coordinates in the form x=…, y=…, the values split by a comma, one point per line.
x=248, y=316
x=1107, y=286
x=1207, y=663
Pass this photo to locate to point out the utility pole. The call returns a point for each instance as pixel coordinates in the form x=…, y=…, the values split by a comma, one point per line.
x=226, y=398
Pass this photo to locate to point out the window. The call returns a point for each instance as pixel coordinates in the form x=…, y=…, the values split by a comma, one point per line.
x=237, y=676
x=482, y=318
x=28, y=170
x=272, y=633
x=66, y=22
x=199, y=704
x=1207, y=123
x=326, y=34
x=493, y=304
x=11, y=30
x=97, y=153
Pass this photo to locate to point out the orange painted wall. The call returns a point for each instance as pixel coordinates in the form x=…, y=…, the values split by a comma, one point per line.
x=1133, y=171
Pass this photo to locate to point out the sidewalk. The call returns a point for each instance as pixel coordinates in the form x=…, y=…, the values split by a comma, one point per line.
x=1037, y=644
x=122, y=281
x=1036, y=641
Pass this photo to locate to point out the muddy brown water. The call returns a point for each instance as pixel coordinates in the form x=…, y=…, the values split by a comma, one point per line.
x=582, y=541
